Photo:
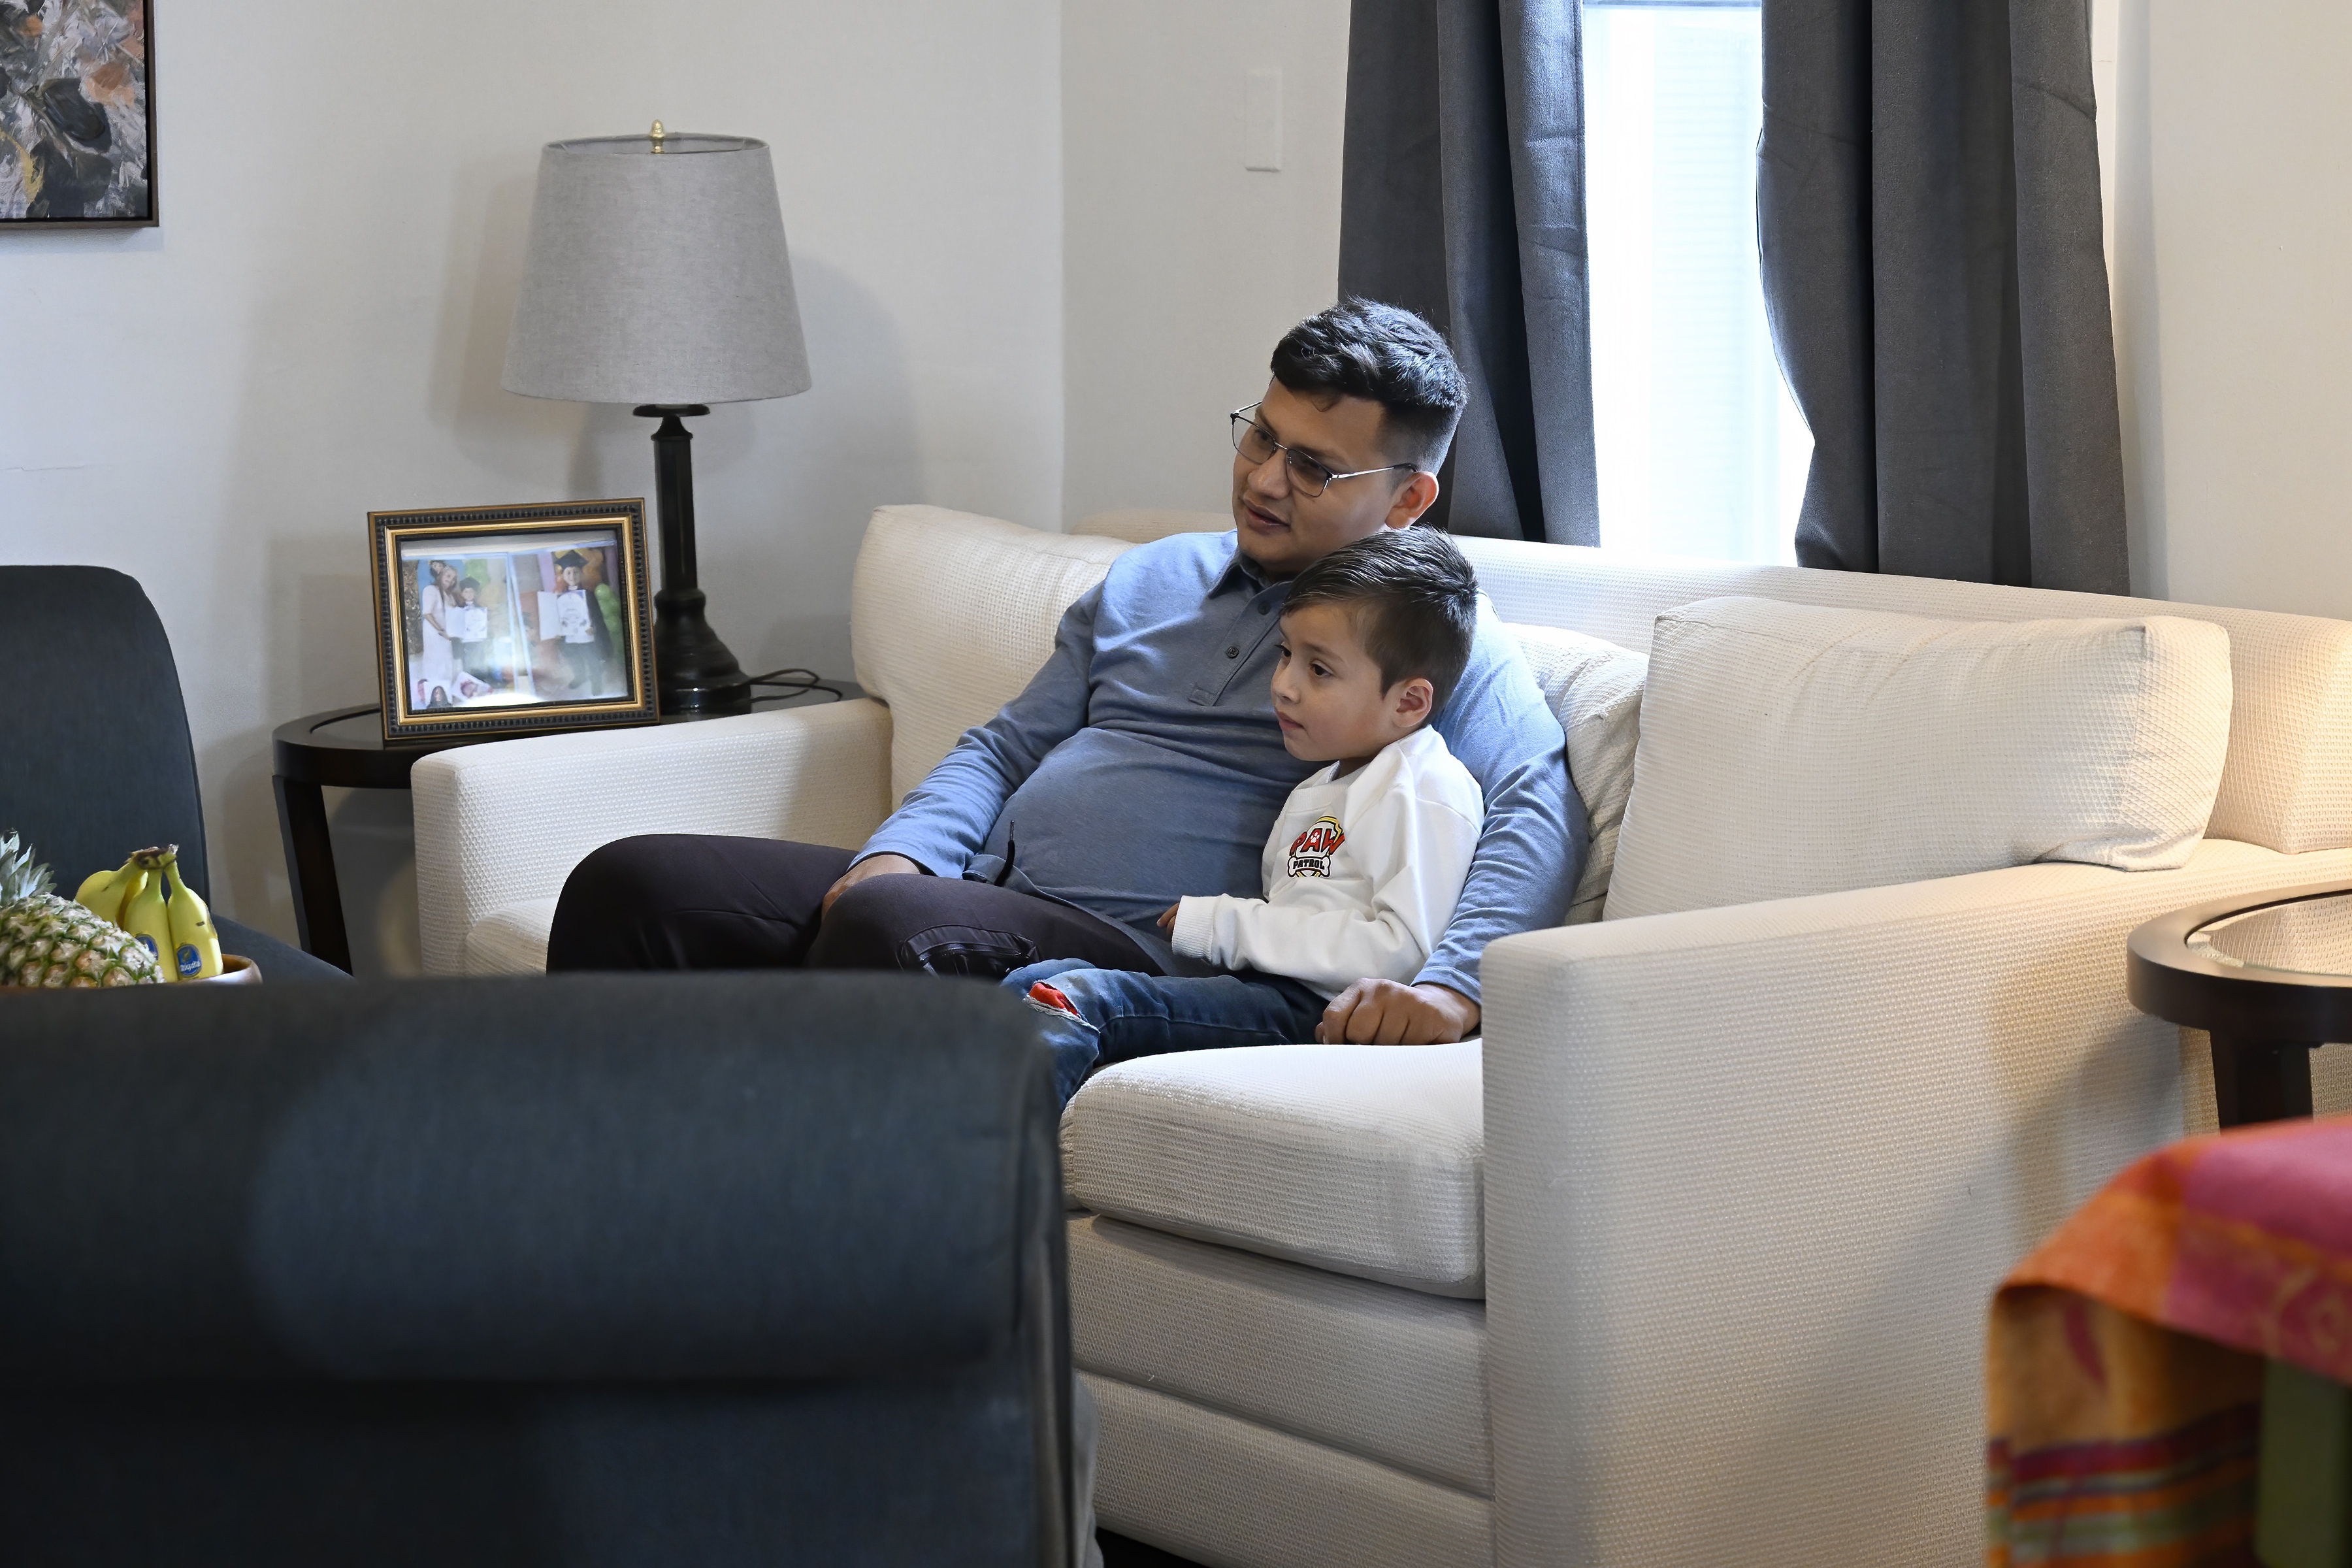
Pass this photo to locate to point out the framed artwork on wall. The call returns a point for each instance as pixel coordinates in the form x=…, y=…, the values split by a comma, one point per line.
x=510, y=619
x=77, y=114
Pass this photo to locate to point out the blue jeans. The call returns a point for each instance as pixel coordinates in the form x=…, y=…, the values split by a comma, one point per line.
x=1124, y=1015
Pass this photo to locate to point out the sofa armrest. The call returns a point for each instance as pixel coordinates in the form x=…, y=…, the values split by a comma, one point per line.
x=506, y=822
x=1753, y=1174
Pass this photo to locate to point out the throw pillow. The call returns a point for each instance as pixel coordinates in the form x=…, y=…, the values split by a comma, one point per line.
x=1595, y=690
x=1792, y=749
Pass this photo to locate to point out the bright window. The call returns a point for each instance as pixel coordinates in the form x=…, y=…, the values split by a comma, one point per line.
x=1701, y=450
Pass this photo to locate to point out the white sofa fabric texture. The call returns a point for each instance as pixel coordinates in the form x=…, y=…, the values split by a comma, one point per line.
x=1686, y=1261
x=1872, y=748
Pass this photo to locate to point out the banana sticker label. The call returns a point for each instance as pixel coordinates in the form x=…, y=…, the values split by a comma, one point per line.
x=1311, y=851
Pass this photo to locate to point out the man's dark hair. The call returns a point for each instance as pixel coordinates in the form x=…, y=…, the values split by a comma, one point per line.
x=1413, y=598
x=1360, y=348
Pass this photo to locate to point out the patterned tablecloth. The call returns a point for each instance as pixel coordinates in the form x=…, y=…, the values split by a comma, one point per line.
x=2125, y=1367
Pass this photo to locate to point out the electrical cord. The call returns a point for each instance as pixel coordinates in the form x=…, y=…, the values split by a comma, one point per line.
x=794, y=682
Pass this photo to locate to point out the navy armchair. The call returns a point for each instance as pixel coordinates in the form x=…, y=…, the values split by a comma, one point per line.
x=95, y=759
x=609, y=1269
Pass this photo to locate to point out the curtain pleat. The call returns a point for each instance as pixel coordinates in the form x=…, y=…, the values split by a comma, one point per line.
x=1927, y=208
x=1463, y=198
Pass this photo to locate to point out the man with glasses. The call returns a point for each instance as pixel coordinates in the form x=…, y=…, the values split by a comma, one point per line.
x=1143, y=762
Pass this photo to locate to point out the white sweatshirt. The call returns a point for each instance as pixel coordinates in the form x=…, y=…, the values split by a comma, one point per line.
x=1362, y=873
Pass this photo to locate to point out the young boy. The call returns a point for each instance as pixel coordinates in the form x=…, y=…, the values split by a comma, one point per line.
x=469, y=630
x=1367, y=856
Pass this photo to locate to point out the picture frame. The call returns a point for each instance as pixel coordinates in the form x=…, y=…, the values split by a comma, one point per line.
x=78, y=117
x=509, y=620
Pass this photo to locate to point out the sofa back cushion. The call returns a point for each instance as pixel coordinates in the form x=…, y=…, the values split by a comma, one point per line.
x=950, y=617
x=1594, y=688
x=1141, y=525
x=2287, y=784
x=1792, y=748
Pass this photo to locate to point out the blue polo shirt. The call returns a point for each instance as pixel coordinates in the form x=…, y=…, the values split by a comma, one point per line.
x=1143, y=762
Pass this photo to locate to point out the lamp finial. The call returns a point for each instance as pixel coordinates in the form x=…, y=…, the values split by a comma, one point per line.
x=658, y=135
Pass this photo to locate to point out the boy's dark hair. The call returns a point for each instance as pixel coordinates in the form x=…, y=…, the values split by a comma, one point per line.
x=469, y=583
x=1360, y=348
x=1413, y=598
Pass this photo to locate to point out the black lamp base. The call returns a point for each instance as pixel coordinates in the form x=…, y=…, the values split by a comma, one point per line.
x=694, y=674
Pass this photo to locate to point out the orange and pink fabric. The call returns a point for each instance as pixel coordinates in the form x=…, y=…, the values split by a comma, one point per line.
x=2125, y=1367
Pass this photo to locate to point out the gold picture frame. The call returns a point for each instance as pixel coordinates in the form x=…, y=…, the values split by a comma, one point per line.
x=512, y=619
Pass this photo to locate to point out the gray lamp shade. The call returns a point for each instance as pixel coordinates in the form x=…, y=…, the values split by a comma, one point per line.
x=656, y=277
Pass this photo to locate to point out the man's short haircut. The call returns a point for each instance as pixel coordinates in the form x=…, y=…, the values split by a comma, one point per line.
x=1413, y=599
x=1360, y=348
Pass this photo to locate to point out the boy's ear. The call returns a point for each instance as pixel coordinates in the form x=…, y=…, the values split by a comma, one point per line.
x=1408, y=698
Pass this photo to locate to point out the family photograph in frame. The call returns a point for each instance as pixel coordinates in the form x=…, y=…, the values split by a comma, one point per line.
x=505, y=620
x=76, y=115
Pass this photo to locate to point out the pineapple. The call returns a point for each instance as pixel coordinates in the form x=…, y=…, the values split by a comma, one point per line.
x=52, y=942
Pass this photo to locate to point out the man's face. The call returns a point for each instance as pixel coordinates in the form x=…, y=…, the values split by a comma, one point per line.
x=1284, y=531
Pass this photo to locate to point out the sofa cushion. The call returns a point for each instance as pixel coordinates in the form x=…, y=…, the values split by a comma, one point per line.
x=1363, y=1160
x=943, y=654
x=1139, y=525
x=1790, y=749
x=1594, y=688
x=1399, y=1376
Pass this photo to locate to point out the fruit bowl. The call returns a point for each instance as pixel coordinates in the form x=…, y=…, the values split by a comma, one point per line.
x=235, y=971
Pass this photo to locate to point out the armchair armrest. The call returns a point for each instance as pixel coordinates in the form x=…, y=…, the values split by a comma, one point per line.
x=503, y=822
x=1753, y=1174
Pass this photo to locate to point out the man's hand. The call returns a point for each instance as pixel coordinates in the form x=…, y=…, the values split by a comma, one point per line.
x=1383, y=1013
x=1168, y=916
x=872, y=865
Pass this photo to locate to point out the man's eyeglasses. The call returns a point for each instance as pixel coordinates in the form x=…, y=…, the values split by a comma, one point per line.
x=1308, y=477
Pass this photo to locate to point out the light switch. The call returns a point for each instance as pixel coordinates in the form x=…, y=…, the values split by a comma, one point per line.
x=1262, y=122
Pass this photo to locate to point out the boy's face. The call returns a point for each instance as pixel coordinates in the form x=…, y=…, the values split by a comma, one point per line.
x=465, y=595
x=1328, y=694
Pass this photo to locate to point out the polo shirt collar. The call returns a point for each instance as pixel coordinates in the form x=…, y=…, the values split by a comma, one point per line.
x=1239, y=571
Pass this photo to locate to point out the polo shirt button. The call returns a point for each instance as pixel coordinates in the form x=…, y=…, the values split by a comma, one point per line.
x=1234, y=652
x=1264, y=608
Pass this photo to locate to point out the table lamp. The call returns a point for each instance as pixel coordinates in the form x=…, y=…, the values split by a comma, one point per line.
x=656, y=275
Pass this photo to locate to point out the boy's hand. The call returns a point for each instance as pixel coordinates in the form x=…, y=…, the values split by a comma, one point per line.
x=1384, y=1013
x=1168, y=917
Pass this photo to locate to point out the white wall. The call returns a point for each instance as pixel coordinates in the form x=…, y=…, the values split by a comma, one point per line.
x=2233, y=231
x=1183, y=267
x=317, y=329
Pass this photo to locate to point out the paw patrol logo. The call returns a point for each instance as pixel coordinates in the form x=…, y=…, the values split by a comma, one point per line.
x=1311, y=851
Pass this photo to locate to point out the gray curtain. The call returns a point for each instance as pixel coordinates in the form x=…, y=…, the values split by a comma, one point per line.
x=1463, y=198
x=1927, y=204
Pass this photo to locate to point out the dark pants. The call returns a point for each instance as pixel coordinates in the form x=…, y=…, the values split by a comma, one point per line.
x=676, y=900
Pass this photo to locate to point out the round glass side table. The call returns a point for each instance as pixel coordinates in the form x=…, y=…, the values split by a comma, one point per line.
x=2270, y=981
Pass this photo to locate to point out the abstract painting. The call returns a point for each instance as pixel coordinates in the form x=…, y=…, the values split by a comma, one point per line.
x=77, y=114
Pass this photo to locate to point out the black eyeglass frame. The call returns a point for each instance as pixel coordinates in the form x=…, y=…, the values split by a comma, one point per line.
x=1299, y=465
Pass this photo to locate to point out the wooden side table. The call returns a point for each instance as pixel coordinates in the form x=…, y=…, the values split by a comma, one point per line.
x=2270, y=980
x=345, y=747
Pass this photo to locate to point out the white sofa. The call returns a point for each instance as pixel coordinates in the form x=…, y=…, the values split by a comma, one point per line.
x=1685, y=1264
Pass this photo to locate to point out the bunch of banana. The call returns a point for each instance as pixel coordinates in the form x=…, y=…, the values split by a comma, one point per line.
x=146, y=898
